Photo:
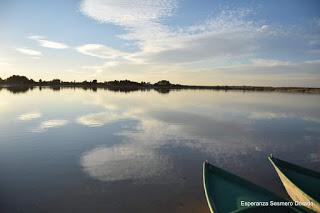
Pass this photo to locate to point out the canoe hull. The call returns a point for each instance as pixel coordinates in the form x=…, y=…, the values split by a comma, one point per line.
x=225, y=193
x=294, y=191
x=210, y=204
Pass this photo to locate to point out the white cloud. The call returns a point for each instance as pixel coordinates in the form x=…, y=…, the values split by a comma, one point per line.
x=225, y=35
x=198, y=48
x=263, y=28
x=262, y=66
x=101, y=51
x=29, y=116
x=219, y=42
x=28, y=51
x=48, y=44
x=127, y=12
x=268, y=62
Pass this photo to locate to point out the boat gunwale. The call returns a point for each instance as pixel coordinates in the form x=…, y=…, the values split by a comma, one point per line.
x=212, y=206
x=271, y=159
x=239, y=180
x=298, y=168
x=204, y=180
x=242, y=181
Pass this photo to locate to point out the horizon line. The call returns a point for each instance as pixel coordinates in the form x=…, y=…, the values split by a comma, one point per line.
x=21, y=79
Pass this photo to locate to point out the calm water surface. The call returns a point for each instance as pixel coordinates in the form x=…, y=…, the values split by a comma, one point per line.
x=85, y=151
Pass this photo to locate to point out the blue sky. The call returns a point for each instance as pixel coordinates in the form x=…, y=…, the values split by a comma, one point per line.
x=274, y=42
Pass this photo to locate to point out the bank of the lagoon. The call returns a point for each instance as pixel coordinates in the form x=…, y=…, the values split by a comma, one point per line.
x=22, y=83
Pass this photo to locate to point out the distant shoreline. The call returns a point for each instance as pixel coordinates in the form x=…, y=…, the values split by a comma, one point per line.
x=22, y=83
x=163, y=89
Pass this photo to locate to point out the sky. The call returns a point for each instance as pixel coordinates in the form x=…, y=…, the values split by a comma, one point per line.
x=205, y=42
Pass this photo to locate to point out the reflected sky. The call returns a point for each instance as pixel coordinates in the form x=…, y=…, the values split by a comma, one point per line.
x=45, y=125
x=127, y=162
x=29, y=116
x=83, y=147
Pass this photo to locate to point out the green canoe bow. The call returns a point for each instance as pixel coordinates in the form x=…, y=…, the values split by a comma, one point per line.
x=302, y=185
x=225, y=191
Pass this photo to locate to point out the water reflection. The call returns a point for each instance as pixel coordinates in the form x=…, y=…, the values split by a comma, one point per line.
x=45, y=125
x=29, y=116
x=128, y=162
x=223, y=141
x=275, y=115
x=222, y=134
x=24, y=89
x=145, y=147
x=20, y=89
x=100, y=118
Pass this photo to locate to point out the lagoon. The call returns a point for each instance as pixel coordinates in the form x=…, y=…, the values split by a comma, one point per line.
x=105, y=151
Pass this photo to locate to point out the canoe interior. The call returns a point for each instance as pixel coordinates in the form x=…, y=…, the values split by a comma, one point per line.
x=307, y=180
x=225, y=191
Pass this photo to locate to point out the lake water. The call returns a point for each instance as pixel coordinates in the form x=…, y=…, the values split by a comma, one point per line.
x=101, y=151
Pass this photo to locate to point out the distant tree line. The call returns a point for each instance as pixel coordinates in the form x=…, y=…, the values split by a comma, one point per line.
x=17, y=80
x=19, y=83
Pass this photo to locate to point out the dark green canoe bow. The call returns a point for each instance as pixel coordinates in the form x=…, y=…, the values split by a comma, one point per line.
x=225, y=191
x=302, y=185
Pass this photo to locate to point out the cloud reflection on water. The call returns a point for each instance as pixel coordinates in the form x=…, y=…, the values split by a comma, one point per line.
x=125, y=162
x=29, y=116
x=139, y=157
x=98, y=119
x=283, y=115
x=218, y=129
x=45, y=125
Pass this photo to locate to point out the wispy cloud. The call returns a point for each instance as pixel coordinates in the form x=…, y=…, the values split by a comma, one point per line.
x=143, y=21
x=228, y=37
x=101, y=51
x=127, y=12
x=269, y=62
x=262, y=66
x=28, y=51
x=47, y=43
x=29, y=116
x=228, y=34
